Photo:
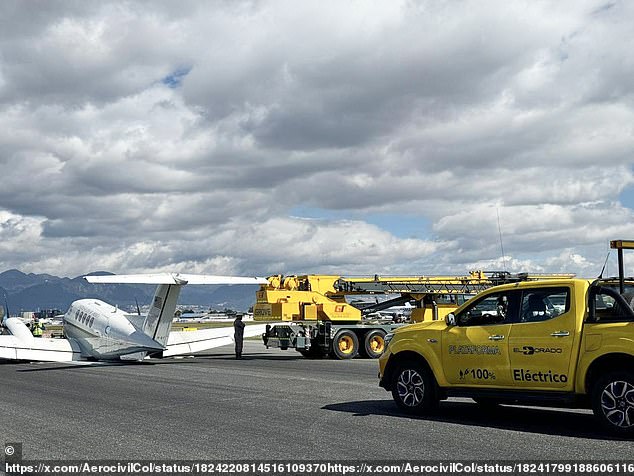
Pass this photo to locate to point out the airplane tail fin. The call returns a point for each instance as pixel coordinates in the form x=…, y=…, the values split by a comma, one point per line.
x=159, y=318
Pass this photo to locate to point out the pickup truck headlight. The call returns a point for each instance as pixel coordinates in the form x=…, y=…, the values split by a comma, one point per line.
x=387, y=339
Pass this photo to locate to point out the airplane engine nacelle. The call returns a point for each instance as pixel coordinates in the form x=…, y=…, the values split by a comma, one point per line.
x=18, y=329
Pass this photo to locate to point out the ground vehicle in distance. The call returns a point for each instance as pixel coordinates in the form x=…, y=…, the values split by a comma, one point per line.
x=317, y=319
x=566, y=342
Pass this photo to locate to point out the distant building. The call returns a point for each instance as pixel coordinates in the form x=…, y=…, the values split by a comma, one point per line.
x=47, y=313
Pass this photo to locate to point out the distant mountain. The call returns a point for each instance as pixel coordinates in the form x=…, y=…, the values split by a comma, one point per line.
x=14, y=280
x=30, y=292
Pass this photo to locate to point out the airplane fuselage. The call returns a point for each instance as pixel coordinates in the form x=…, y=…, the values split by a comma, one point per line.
x=104, y=332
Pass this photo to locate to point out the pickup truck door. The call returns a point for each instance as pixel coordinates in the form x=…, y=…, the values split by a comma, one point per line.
x=542, y=341
x=475, y=353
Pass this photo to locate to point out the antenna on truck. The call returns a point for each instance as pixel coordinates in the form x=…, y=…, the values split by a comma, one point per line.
x=604, y=265
x=501, y=244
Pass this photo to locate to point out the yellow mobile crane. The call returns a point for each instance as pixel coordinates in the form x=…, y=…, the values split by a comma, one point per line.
x=317, y=319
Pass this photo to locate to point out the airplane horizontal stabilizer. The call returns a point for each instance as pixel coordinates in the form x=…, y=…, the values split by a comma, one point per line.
x=188, y=342
x=173, y=278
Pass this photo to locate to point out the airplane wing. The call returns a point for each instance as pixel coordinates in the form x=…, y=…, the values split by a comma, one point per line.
x=173, y=278
x=188, y=342
x=41, y=349
x=65, y=350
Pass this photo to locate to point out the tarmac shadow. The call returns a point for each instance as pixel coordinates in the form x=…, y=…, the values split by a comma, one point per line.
x=179, y=360
x=51, y=366
x=251, y=356
x=547, y=421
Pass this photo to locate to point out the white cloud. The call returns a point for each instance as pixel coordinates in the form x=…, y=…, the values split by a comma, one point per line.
x=150, y=136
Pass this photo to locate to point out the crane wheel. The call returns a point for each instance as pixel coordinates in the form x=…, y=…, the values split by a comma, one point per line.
x=374, y=343
x=345, y=345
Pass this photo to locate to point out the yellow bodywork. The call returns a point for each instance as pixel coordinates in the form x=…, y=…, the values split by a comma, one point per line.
x=600, y=339
x=429, y=314
x=302, y=298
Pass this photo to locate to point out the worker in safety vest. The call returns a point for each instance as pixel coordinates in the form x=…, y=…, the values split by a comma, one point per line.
x=37, y=329
x=238, y=327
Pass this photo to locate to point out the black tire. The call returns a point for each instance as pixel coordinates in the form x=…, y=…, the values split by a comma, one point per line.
x=613, y=402
x=374, y=343
x=345, y=345
x=414, y=388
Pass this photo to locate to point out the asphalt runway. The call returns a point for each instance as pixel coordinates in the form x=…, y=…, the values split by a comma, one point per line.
x=272, y=405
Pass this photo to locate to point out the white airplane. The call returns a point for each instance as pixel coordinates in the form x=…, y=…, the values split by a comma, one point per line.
x=96, y=330
x=394, y=312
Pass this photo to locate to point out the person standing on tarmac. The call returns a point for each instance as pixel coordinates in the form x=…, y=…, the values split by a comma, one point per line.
x=37, y=329
x=238, y=335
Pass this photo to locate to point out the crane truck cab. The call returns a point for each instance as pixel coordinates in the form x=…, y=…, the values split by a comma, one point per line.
x=567, y=342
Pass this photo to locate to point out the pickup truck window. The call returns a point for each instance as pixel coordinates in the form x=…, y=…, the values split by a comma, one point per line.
x=494, y=308
x=607, y=305
x=543, y=304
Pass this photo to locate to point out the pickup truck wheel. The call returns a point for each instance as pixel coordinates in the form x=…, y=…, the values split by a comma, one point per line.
x=613, y=402
x=345, y=345
x=413, y=388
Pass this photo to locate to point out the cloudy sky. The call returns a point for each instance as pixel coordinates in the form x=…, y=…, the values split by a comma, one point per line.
x=360, y=137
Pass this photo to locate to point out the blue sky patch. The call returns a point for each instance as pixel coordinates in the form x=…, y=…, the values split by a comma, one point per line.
x=400, y=225
x=627, y=197
x=175, y=79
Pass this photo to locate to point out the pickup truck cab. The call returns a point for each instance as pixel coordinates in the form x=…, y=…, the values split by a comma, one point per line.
x=567, y=343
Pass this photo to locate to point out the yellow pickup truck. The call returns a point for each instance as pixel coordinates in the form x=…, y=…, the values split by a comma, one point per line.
x=566, y=343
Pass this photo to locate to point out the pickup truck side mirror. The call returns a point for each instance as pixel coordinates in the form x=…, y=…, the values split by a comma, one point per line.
x=450, y=319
